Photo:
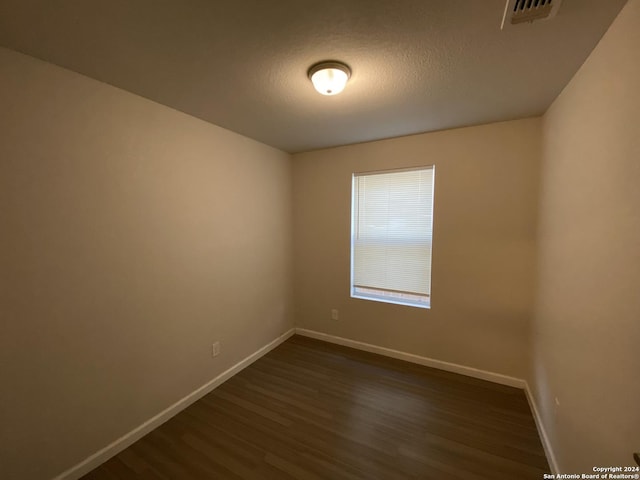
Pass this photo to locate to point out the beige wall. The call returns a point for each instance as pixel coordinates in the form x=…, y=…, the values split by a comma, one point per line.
x=586, y=335
x=483, y=245
x=132, y=237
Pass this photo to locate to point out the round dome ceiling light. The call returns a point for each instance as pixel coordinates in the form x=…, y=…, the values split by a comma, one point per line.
x=329, y=78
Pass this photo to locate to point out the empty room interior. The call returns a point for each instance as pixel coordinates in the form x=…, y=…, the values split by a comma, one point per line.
x=319, y=240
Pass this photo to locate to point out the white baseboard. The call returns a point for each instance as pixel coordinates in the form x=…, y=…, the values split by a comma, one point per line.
x=410, y=357
x=134, y=435
x=544, y=438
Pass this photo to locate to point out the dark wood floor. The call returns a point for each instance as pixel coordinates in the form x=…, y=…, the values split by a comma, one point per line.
x=313, y=410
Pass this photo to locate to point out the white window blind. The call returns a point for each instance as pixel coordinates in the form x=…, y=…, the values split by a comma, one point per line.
x=392, y=222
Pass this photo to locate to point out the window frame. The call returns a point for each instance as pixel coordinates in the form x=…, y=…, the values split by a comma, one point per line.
x=377, y=297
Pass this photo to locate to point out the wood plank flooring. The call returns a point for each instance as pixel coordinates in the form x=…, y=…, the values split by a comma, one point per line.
x=310, y=410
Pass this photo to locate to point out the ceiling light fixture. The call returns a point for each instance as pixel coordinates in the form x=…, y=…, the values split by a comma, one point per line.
x=329, y=78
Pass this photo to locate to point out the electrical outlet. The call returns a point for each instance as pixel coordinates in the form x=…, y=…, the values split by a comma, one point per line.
x=215, y=349
x=334, y=314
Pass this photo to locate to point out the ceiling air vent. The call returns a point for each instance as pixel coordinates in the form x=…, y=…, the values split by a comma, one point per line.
x=517, y=12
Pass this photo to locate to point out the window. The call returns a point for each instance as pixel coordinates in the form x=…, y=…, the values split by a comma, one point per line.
x=391, y=232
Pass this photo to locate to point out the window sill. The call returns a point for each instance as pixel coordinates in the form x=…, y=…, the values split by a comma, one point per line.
x=406, y=303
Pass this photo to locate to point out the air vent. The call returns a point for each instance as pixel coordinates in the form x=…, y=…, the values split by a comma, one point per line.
x=517, y=12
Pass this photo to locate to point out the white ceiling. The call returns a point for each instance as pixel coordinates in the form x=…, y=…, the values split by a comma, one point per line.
x=418, y=65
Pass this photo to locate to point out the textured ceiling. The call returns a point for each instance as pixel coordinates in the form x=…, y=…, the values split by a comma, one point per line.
x=418, y=65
